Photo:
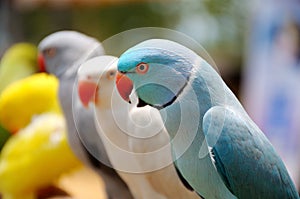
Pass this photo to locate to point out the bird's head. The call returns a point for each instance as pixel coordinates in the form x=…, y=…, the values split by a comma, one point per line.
x=96, y=80
x=62, y=50
x=158, y=69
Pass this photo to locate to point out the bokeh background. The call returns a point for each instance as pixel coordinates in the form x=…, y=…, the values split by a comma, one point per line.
x=256, y=46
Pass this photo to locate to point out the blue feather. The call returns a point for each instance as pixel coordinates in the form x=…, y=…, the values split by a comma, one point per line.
x=244, y=157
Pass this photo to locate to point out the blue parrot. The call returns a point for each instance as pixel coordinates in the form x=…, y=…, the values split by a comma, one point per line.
x=217, y=149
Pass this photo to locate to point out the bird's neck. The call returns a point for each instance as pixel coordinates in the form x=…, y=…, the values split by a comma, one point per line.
x=113, y=123
x=114, y=110
x=204, y=90
x=184, y=117
x=66, y=93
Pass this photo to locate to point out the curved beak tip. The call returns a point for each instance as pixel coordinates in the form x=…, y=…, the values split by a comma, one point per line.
x=124, y=86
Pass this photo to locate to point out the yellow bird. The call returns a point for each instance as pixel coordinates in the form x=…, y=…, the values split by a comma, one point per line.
x=35, y=157
x=27, y=97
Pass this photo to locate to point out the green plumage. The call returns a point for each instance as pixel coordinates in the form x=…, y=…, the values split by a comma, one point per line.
x=19, y=61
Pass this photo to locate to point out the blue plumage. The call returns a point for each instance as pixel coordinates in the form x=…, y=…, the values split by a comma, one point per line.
x=217, y=148
x=244, y=158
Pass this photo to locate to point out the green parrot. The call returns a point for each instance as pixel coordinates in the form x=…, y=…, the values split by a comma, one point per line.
x=19, y=61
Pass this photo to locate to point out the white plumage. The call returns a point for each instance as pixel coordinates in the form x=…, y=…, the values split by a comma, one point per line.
x=135, y=138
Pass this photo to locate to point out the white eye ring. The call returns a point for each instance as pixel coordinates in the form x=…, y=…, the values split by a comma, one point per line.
x=142, y=68
x=111, y=74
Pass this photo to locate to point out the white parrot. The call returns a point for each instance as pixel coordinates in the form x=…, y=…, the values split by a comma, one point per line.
x=135, y=138
x=61, y=53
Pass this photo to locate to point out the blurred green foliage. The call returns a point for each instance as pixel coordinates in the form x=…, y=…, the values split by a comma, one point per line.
x=104, y=21
x=101, y=22
x=4, y=135
x=218, y=25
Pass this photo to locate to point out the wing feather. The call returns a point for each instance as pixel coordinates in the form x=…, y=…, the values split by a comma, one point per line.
x=244, y=158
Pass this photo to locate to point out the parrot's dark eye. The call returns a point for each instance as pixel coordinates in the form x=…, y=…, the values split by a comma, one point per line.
x=111, y=74
x=142, y=68
x=50, y=52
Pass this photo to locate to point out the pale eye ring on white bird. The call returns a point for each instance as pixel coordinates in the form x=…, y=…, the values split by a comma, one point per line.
x=111, y=74
x=142, y=68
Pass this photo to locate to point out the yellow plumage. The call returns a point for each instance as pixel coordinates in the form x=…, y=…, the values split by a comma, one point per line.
x=25, y=98
x=38, y=155
x=35, y=157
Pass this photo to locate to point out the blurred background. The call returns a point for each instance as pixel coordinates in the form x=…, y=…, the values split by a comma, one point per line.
x=256, y=46
x=220, y=26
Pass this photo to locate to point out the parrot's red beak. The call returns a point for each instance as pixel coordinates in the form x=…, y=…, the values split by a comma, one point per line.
x=87, y=91
x=124, y=86
x=41, y=63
